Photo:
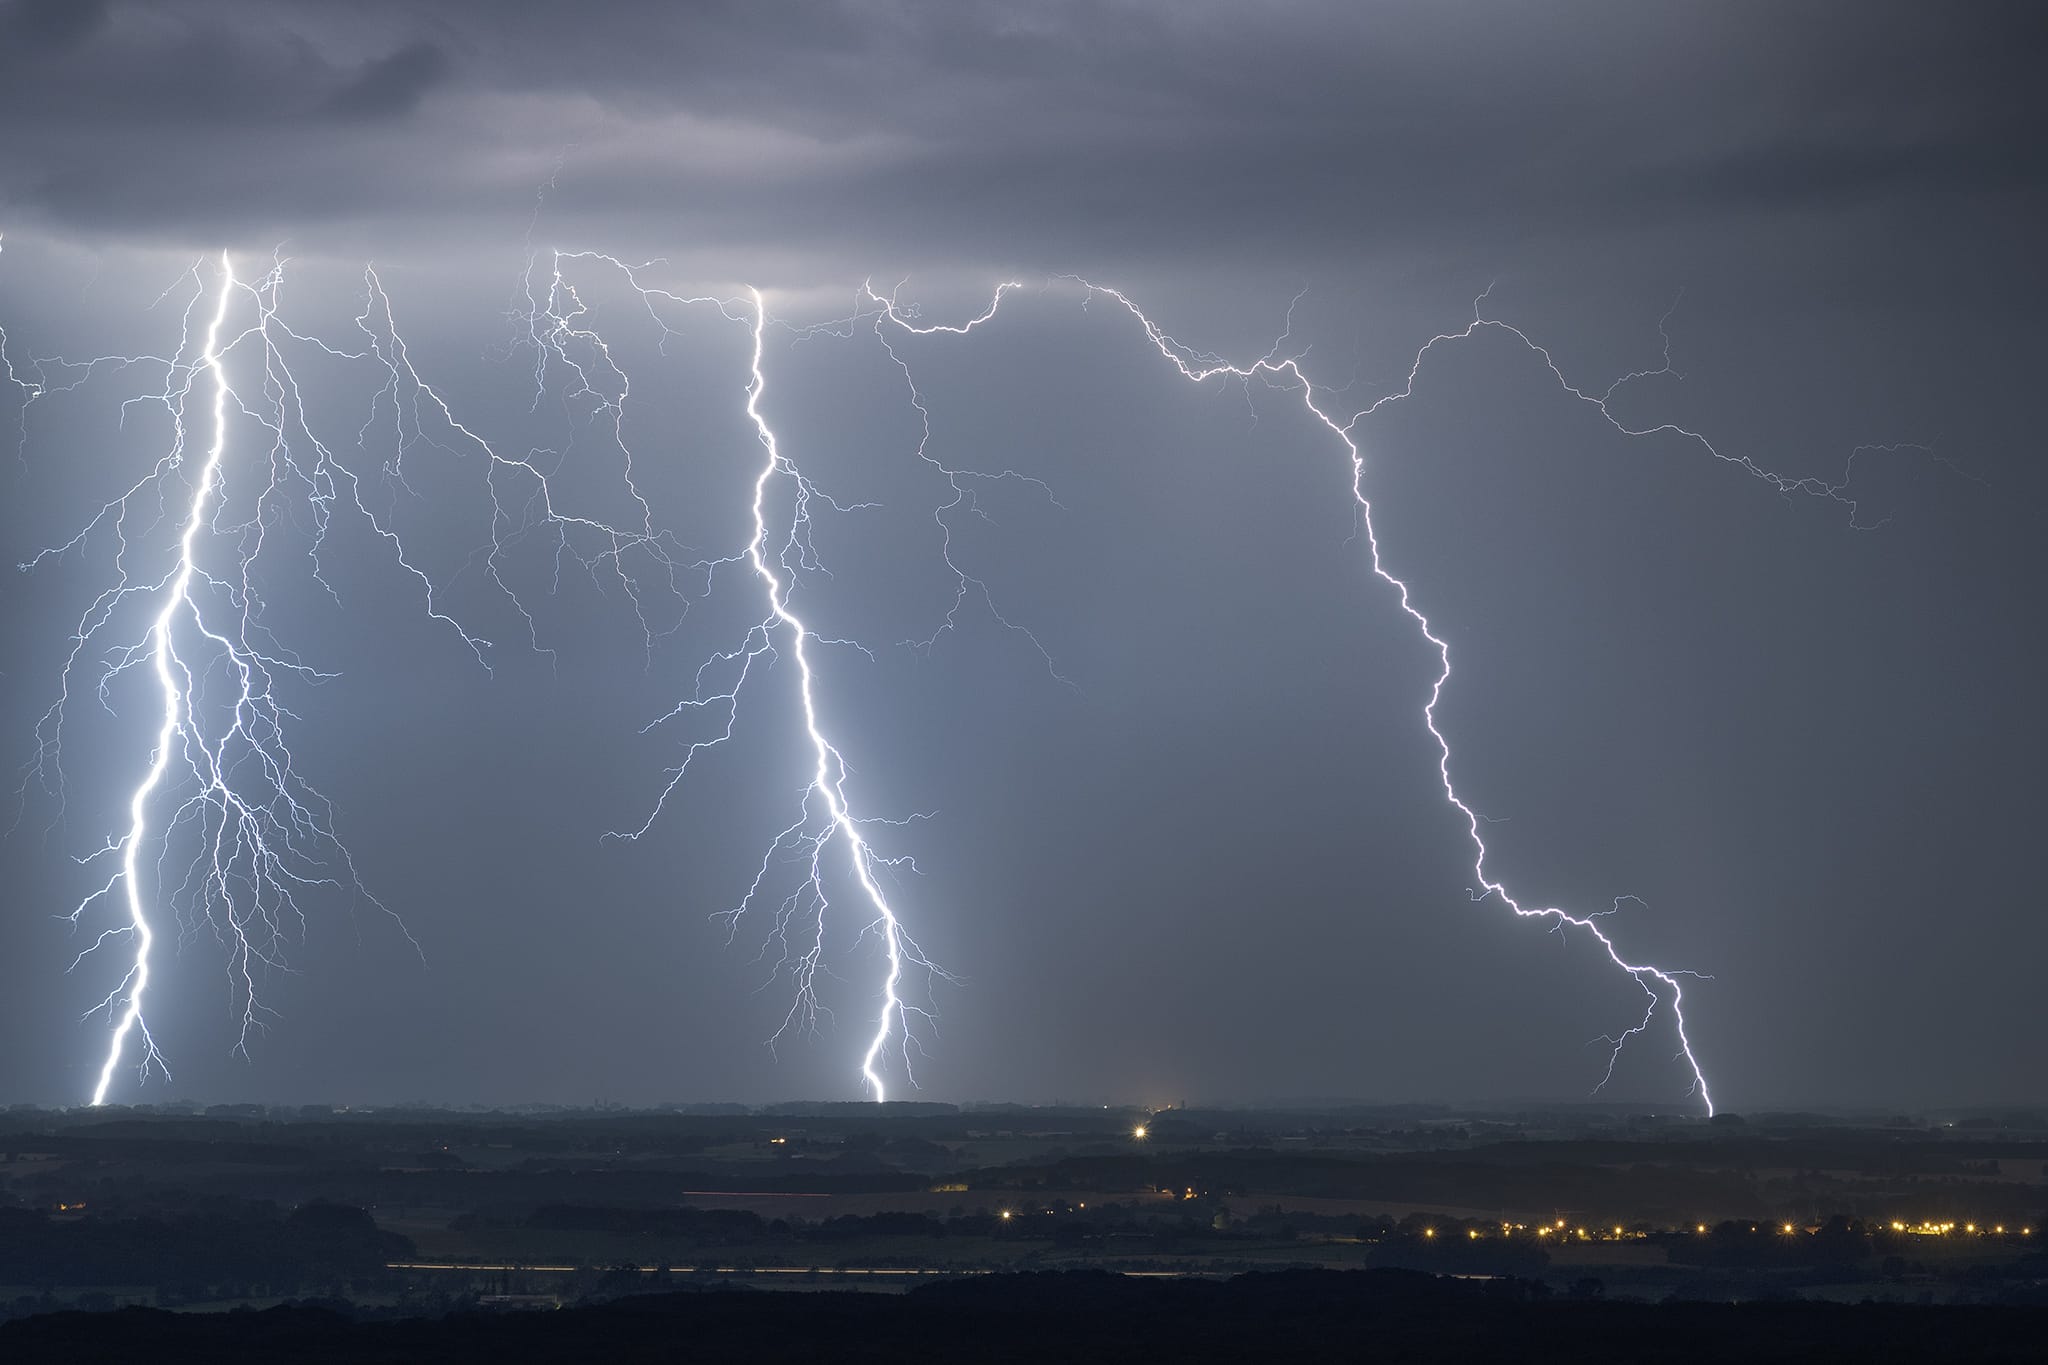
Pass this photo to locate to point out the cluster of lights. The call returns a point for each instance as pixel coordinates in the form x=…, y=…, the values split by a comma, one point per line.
x=1927, y=1227
x=1007, y=1214
x=1563, y=1228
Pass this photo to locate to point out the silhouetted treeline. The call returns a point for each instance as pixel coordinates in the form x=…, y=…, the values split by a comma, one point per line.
x=1416, y=1242
x=312, y=1245
x=134, y=1187
x=1074, y=1319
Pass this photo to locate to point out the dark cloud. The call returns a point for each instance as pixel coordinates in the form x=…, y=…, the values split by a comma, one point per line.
x=391, y=86
x=976, y=133
x=39, y=27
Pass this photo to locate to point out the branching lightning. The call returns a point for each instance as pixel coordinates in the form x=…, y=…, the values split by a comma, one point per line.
x=777, y=551
x=263, y=836
x=828, y=781
x=220, y=777
x=1663, y=988
x=964, y=484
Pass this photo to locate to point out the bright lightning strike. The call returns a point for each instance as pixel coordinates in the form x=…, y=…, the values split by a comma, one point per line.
x=1655, y=981
x=221, y=779
x=828, y=781
x=265, y=837
x=778, y=551
x=1662, y=987
x=177, y=721
x=262, y=837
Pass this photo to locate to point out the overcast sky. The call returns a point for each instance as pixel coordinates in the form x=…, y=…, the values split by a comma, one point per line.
x=1215, y=862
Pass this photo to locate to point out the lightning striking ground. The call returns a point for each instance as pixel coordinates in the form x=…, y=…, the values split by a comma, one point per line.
x=177, y=599
x=828, y=782
x=1662, y=987
x=265, y=838
x=221, y=779
x=777, y=551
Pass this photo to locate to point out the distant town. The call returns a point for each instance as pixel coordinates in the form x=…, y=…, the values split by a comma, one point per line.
x=417, y=1209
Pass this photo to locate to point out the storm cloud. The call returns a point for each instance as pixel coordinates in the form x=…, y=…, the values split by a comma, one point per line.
x=988, y=133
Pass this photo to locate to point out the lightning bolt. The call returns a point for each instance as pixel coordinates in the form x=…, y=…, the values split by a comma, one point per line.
x=964, y=484
x=264, y=837
x=127, y=995
x=777, y=551
x=828, y=780
x=1655, y=981
x=1663, y=988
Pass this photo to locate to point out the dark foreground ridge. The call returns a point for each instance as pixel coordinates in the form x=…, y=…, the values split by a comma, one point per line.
x=1072, y=1317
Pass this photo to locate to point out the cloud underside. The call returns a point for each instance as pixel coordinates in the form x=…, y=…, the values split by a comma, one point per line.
x=965, y=132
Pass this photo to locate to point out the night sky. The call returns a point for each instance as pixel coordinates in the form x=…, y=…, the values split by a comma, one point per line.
x=1196, y=847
